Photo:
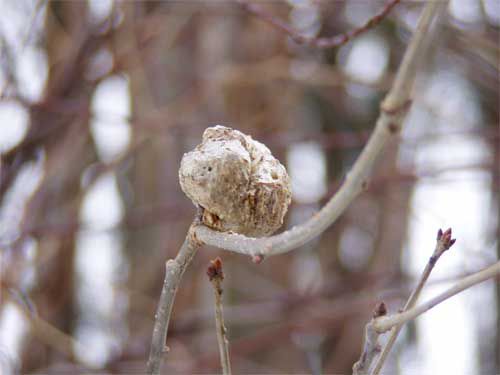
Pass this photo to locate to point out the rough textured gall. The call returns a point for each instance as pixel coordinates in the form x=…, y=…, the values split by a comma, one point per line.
x=240, y=185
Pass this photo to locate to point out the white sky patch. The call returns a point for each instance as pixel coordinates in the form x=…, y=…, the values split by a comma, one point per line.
x=13, y=124
x=492, y=9
x=102, y=207
x=111, y=108
x=31, y=72
x=453, y=99
x=13, y=328
x=367, y=59
x=307, y=169
x=12, y=211
x=447, y=342
x=100, y=9
x=100, y=64
x=356, y=247
x=99, y=262
x=468, y=11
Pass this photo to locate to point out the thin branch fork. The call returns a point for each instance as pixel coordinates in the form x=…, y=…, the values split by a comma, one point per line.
x=371, y=348
x=383, y=324
x=174, y=269
x=393, y=110
x=216, y=275
x=443, y=243
x=317, y=42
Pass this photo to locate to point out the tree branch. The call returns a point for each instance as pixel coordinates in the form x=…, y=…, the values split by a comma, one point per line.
x=393, y=110
x=383, y=324
x=327, y=42
x=443, y=243
x=174, y=269
x=216, y=275
x=370, y=346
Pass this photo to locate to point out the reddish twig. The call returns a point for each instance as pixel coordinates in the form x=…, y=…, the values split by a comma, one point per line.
x=325, y=42
x=216, y=275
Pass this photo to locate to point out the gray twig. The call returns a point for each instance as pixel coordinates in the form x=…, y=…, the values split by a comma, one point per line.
x=385, y=323
x=371, y=348
x=443, y=243
x=174, y=269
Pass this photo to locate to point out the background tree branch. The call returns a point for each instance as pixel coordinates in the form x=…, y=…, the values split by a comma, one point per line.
x=392, y=113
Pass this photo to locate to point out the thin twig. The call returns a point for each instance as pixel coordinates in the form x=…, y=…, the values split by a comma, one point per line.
x=370, y=346
x=174, y=269
x=385, y=323
x=326, y=42
x=393, y=111
x=216, y=275
x=443, y=243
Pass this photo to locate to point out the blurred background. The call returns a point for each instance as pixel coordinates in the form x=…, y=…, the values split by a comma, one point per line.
x=100, y=99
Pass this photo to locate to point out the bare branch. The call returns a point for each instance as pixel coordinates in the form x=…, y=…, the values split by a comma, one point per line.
x=443, y=243
x=174, y=269
x=370, y=346
x=393, y=110
x=327, y=42
x=383, y=324
x=216, y=275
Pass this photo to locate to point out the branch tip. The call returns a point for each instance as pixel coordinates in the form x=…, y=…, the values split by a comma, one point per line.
x=444, y=240
x=214, y=270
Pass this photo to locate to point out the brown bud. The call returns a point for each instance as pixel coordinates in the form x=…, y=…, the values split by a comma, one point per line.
x=380, y=310
x=214, y=270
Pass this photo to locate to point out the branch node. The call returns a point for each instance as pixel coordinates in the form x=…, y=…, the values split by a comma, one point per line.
x=392, y=109
x=394, y=128
x=380, y=310
x=214, y=270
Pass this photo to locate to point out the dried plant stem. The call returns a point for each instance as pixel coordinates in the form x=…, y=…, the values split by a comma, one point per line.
x=393, y=110
x=328, y=42
x=385, y=323
x=174, y=269
x=216, y=276
x=443, y=243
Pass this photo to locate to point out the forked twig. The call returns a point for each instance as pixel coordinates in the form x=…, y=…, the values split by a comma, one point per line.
x=385, y=323
x=216, y=275
x=369, y=356
x=443, y=243
x=325, y=42
x=370, y=345
x=174, y=269
x=382, y=324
